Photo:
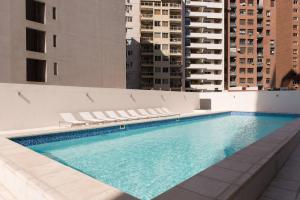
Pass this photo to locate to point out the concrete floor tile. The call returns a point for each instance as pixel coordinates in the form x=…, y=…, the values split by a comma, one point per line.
x=279, y=194
x=205, y=186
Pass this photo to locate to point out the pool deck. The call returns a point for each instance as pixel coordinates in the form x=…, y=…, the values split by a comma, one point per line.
x=286, y=185
x=245, y=175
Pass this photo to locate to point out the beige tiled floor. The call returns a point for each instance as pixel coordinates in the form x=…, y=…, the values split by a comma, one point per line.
x=5, y=195
x=286, y=185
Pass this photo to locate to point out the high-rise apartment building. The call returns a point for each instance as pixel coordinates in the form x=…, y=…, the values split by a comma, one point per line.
x=205, y=45
x=133, y=26
x=263, y=44
x=162, y=54
x=287, y=44
x=63, y=42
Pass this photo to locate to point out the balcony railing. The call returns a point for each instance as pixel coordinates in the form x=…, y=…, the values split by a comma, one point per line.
x=147, y=27
x=175, y=39
x=147, y=73
x=175, y=50
x=147, y=15
x=175, y=17
x=175, y=28
x=146, y=3
x=172, y=62
x=146, y=39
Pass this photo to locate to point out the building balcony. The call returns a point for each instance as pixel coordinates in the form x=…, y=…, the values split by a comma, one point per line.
x=206, y=87
x=146, y=39
x=232, y=25
x=147, y=63
x=259, y=64
x=175, y=5
x=175, y=40
x=204, y=4
x=147, y=16
x=260, y=36
x=260, y=46
x=176, y=74
x=232, y=64
x=212, y=77
x=205, y=46
x=175, y=17
x=233, y=35
x=146, y=4
x=205, y=66
x=211, y=15
x=232, y=15
x=147, y=74
x=260, y=55
x=259, y=25
x=233, y=84
x=175, y=28
x=204, y=56
x=260, y=16
x=259, y=74
x=233, y=73
x=146, y=28
x=205, y=35
x=233, y=5
x=175, y=51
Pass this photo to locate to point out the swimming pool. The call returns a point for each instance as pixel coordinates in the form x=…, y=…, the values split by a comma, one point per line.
x=147, y=159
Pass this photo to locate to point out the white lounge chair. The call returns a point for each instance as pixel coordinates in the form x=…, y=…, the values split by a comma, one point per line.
x=113, y=115
x=154, y=112
x=87, y=116
x=124, y=114
x=166, y=110
x=101, y=116
x=145, y=113
x=70, y=119
x=159, y=110
x=135, y=114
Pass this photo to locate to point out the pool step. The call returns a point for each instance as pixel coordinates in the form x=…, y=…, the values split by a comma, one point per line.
x=5, y=194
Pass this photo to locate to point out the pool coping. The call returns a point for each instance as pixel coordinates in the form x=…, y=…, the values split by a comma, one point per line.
x=30, y=175
x=245, y=174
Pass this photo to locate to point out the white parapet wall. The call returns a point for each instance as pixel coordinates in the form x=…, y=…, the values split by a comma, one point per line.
x=26, y=106
x=255, y=101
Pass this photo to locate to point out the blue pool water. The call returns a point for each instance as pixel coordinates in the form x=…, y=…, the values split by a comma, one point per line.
x=146, y=162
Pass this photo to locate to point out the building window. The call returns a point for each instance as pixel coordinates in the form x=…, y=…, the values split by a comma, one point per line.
x=165, y=47
x=54, y=13
x=250, y=80
x=55, y=69
x=54, y=40
x=35, y=70
x=165, y=70
x=128, y=19
x=268, y=32
x=165, y=35
x=250, y=70
x=157, y=81
x=156, y=35
x=165, y=12
x=267, y=80
x=157, y=23
x=35, y=40
x=165, y=23
x=267, y=70
x=35, y=11
x=157, y=58
x=242, y=22
x=157, y=46
x=157, y=12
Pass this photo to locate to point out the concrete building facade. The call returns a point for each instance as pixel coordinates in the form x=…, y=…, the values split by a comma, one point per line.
x=133, y=26
x=205, y=45
x=162, y=52
x=63, y=42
